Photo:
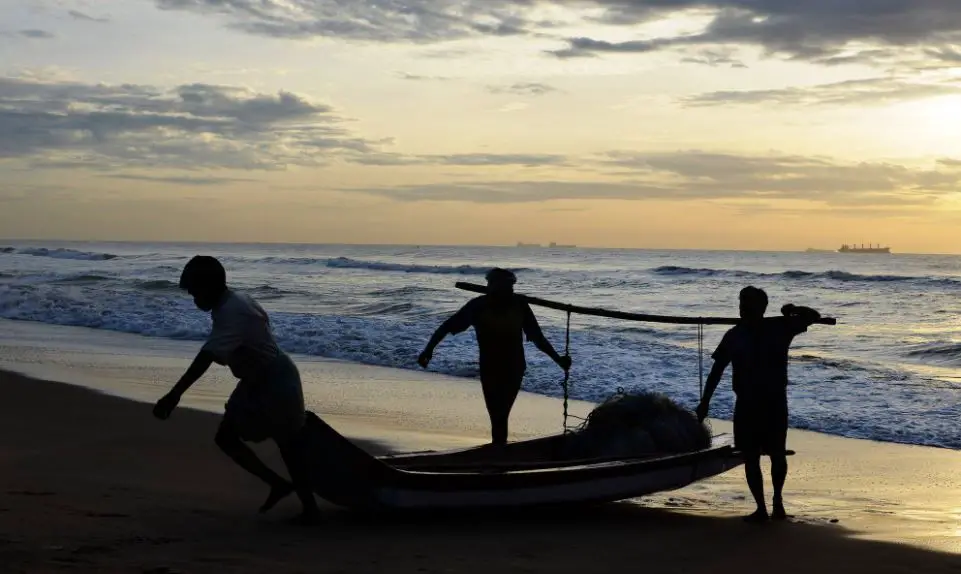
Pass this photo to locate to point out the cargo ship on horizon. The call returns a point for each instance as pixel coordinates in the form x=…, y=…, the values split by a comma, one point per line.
x=862, y=249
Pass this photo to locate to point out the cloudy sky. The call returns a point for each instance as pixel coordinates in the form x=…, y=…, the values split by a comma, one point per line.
x=755, y=124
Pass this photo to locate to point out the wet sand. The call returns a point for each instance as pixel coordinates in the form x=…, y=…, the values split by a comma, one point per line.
x=92, y=483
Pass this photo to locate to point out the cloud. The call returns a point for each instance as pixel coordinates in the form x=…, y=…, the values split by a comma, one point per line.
x=68, y=125
x=815, y=30
x=831, y=32
x=410, y=21
x=870, y=91
x=714, y=58
x=37, y=34
x=180, y=180
x=948, y=54
x=420, y=78
x=465, y=160
x=699, y=176
x=484, y=159
x=523, y=89
x=516, y=191
x=58, y=124
x=77, y=15
x=583, y=47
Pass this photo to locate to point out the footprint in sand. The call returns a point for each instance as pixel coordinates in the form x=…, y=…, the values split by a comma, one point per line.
x=92, y=514
x=31, y=492
x=91, y=549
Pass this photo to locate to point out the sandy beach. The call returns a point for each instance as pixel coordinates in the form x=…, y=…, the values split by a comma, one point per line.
x=91, y=482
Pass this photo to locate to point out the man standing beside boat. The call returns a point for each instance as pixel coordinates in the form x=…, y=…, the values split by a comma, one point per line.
x=500, y=321
x=757, y=348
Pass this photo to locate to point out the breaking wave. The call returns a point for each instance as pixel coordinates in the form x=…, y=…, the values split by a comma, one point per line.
x=834, y=275
x=59, y=253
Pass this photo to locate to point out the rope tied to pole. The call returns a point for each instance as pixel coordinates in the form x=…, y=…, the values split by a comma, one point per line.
x=700, y=360
x=567, y=374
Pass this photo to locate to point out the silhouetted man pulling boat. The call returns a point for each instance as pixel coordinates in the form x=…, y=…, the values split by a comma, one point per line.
x=757, y=348
x=500, y=321
x=268, y=401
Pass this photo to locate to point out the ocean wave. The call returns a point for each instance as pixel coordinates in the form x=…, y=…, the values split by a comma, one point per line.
x=833, y=275
x=385, y=308
x=81, y=278
x=59, y=253
x=348, y=263
x=373, y=265
x=406, y=291
x=943, y=352
x=156, y=285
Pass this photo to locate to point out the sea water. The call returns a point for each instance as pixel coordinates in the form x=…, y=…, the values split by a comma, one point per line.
x=887, y=371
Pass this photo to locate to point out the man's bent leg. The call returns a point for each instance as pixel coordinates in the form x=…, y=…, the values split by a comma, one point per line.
x=755, y=482
x=295, y=454
x=778, y=476
x=231, y=444
x=498, y=416
x=500, y=392
x=746, y=440
x=777, y=449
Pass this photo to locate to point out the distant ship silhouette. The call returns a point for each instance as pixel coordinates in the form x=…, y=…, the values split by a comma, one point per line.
x=552, y=245
x=862, y=249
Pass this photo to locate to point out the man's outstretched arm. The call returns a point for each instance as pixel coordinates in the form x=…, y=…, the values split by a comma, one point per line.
x=425, y=356
x=535, y=335
x=713, y=379
x=197, y=368
x=456, y=323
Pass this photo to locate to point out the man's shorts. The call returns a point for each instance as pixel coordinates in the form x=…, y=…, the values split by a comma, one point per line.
x=268, y=407
x=760, y=426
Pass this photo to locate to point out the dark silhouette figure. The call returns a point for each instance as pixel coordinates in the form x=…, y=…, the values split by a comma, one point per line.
x=758, y=349
x=500, y=321
x=268, y=401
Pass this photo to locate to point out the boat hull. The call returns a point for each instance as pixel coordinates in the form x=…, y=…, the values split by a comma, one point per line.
x=345, y=475
x=598, y=483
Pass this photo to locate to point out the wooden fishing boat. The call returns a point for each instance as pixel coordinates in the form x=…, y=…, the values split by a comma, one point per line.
x=524, y=473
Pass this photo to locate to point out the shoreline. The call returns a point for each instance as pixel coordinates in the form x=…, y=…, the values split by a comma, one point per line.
x=91, y=482
x=46, y=346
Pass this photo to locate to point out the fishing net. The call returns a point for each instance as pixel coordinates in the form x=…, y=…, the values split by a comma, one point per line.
x=638, y=424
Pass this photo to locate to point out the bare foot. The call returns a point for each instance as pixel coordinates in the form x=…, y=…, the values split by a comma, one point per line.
x=758, y=516
x=777, y=513
x=277, y=493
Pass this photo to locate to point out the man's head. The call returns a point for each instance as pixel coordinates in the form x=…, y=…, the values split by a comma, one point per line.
x=500, y=281
x=753, y=302
x=205, y=279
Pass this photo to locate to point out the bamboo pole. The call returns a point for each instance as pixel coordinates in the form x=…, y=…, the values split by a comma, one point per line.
x=624, y=315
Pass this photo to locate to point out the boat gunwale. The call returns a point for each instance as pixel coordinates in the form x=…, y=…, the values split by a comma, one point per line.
x=446, y=481
x=718, y=441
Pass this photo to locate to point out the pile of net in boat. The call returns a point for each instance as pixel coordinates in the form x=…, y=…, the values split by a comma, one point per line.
x=638, y=424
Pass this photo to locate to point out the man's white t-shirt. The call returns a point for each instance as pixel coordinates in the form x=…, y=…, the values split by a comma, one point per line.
x=241, y=337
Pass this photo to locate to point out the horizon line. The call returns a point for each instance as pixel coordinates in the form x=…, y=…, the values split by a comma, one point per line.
x=514, y=245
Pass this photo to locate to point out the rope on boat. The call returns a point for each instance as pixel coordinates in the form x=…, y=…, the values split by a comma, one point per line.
x=567, y=374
